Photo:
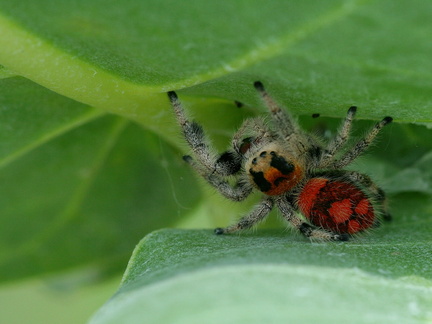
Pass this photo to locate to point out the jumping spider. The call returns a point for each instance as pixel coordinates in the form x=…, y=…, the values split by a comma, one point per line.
x=293, y=170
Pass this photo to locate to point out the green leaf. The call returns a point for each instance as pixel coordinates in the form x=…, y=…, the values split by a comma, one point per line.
x=75, y=183
x=177, y=276
x=326, y=55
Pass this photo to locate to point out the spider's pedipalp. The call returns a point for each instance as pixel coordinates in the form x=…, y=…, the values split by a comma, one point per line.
x=228, y=163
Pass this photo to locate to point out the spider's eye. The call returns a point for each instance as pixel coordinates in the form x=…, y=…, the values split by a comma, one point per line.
x=246, y=145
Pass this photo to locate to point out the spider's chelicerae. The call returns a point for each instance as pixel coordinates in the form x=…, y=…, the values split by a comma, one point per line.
x=293, y=170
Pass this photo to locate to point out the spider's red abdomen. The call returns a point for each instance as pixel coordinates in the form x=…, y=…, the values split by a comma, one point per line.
x=336, y=205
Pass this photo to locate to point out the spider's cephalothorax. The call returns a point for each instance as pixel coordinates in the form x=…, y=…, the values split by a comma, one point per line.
x=293, y=170
x=273, y=170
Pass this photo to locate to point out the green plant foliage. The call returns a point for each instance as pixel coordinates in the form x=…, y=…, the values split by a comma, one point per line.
x=75, y=183
x=90, y=155
x=177, y=276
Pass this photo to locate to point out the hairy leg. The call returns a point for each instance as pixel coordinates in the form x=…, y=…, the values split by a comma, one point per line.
x=249, y=220
x=339, y=140
x=361, y=145
x=209, y=165
x=306, y=229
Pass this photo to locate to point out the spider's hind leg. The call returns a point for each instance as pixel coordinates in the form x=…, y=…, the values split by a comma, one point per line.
x=310, y=231
x=361, y=145
x=339, y=140
x=377, y=194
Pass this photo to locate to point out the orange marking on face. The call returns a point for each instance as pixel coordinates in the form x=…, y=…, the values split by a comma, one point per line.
x=272, y=174
x=280, y=182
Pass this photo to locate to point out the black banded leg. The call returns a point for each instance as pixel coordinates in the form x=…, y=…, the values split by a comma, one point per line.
x=282, y=120
x=340, y=139
x=382, y=199
x=194, y=134
x=382, y=206
x=378, y=195
x=306, y=229
x=362, y=145
x=209, y=165
x=238, y=192
x=254, y=217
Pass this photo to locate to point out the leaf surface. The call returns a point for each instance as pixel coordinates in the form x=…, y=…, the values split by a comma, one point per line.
x=275, y=277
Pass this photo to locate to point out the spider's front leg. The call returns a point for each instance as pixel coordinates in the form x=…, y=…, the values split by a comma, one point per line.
x=209, y=165
x=254, y=217
x=306, y=229
x=194, y=135
x=284, y=122
x=286, y=126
